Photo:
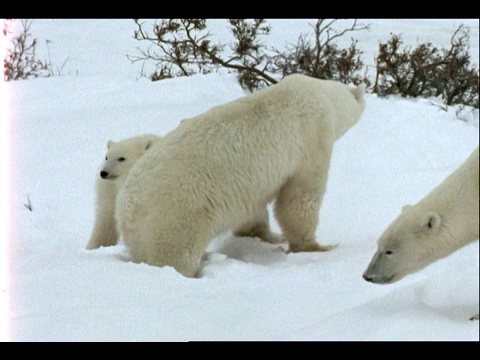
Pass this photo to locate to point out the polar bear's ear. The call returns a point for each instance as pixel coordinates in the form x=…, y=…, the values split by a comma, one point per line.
x=405, y=207
x=432, y=221
x=149, y=145
x=110, y=143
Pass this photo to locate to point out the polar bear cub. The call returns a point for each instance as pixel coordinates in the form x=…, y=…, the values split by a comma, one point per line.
x=443, y=221
x=219, y=170
x=119, y=159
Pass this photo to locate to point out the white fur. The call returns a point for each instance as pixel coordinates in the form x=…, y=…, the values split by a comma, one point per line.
x=119, y=159
x=219, y=170
x=443, y=221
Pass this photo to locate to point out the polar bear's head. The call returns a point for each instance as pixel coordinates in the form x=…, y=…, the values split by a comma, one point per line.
x=122, y=155
x=411, y=242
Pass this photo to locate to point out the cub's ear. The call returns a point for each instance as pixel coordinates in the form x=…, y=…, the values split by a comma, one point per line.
x=149, y=145
x=432, y=221
x=405, y=207
x=110, y=143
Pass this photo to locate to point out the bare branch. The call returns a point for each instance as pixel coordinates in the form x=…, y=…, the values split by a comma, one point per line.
x=28, y=205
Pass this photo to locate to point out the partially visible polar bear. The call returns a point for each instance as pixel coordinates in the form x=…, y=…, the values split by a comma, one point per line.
x=219, y=170
x=443, y=221
x=119, y=159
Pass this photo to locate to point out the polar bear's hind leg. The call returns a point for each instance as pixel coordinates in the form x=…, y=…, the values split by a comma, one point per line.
x=259, y=227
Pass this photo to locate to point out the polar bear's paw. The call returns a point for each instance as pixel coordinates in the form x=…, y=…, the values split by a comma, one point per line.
x=310, y=247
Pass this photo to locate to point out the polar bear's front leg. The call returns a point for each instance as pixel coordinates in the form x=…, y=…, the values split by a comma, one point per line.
x=105, y=231
x=297, y=210
x=259, y=227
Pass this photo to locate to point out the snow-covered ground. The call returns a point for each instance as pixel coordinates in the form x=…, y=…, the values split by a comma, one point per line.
x=58, y=291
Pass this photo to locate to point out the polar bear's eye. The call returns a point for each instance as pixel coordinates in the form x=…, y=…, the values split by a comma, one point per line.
x=121, y=159
x=389, y=252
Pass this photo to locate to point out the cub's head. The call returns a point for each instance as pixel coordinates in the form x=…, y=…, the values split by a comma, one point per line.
x=411, y=242
x=122, y=155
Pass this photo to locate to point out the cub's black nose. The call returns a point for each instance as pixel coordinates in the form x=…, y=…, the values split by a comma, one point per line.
x=103, y=174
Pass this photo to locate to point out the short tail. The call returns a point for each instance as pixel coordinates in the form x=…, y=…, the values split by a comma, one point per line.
x=358, y=93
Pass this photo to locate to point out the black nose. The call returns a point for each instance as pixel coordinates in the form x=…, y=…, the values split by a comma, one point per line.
x=103, y=174
x=368, y=278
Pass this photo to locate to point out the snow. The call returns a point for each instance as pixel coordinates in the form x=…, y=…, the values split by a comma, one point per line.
x=55, y=290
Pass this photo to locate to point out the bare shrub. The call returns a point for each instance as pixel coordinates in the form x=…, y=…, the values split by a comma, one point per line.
x=428, y=71
x=20, y=61
x=181, y=47
x=321, y=57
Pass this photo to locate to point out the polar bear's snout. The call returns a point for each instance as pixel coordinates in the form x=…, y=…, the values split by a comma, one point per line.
x=380, y=270
x=375, y=279
x=105, y=175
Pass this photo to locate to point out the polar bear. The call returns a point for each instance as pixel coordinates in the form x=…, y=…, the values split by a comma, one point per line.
x=218, y=171
x=119, y=159
x=443, y=221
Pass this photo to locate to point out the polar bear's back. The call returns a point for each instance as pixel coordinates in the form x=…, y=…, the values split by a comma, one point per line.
x=283, y=118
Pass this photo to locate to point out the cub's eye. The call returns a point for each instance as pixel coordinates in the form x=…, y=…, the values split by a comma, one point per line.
x=121, y=159
x=388, y=252
x=106, y=158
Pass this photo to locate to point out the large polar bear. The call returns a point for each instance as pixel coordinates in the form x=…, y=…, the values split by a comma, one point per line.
x=443, y=221
x=219, y=170
x=119, y=159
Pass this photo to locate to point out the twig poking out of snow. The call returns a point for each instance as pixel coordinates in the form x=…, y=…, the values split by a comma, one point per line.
x=28, y=205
